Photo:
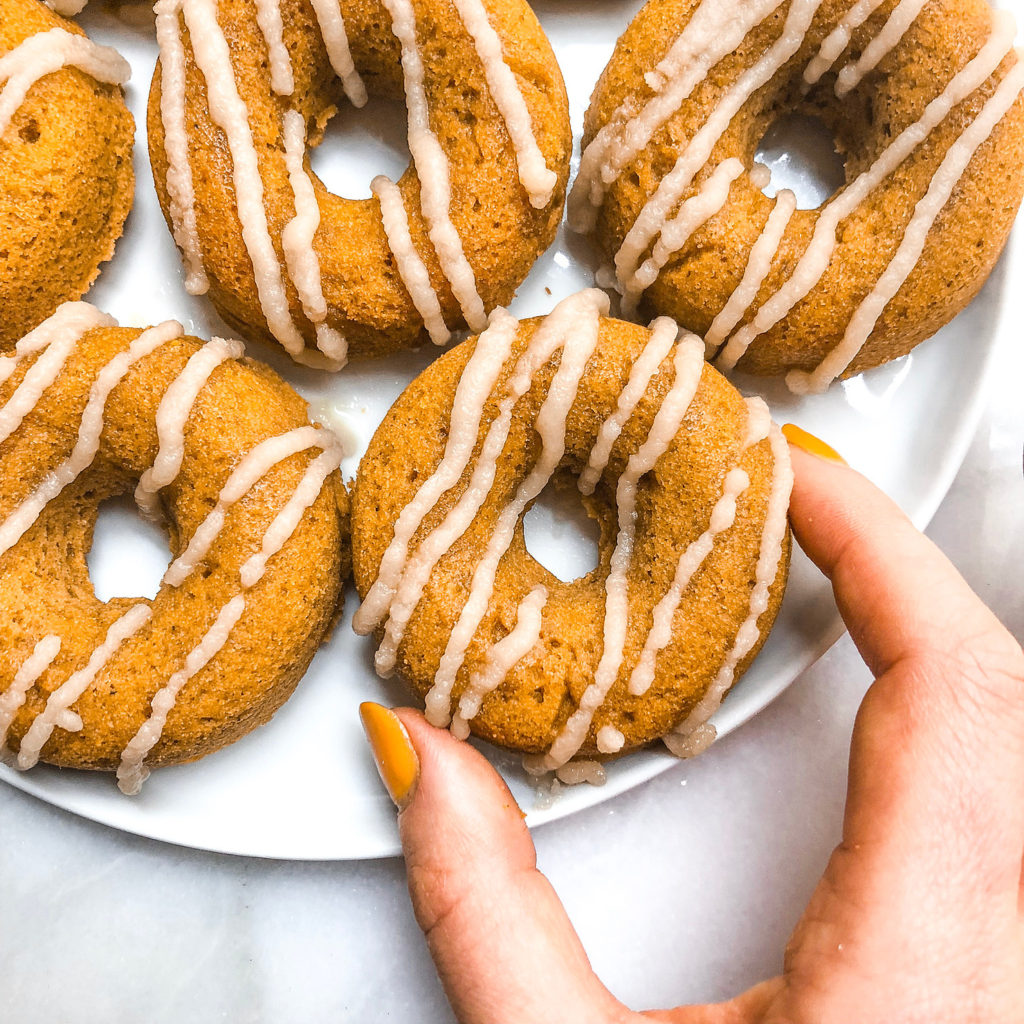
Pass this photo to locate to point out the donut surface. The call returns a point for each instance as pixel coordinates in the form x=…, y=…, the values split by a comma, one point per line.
x=923, y=98
x=688, y=481
x=66, y=177
x=327, y=276
x=222, y=448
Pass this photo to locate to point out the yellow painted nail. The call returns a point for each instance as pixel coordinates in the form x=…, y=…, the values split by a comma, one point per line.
x=809, y=443
x=397, y=763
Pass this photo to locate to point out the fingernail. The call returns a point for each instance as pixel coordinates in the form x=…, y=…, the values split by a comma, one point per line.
x=809, y=443
x=397, y=763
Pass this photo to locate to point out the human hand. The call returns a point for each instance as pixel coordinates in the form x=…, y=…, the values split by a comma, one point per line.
x=919, y=916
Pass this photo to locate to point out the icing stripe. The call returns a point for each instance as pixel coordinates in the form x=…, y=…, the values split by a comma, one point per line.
x=534, y=174
x=696, y=727
x=58, y=706
x=838, y=39
x=332, y=28
x=892, y=32
x=815, y=260
x=501, y=659
x=411, y=269
x=689, y=364
x=432, y=168
x=659, y=344
x=268, y=17
x=297, y=240
x=722, y=518
x=758, y=264
x=66, y=8
x=172, y=414
x=178, y=181
x=22, y=518
x=229, y=112
x=953, y=165
x=609, y=740
x=550, y=424
x=46, y=52
x=13, y=698
x=474, y=388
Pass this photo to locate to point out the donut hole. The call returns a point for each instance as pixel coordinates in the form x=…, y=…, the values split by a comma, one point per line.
x=560, y=533
x=800, y=151
x=129, y=554
x=360, y=144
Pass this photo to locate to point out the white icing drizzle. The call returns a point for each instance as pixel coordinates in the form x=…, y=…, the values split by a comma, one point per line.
x=815, y=260
x=953, y=165
x=90, y=428
x=178, y=182
x=432, y=168
x=47, y=52
x=759, y=263
x=576, y=772
x=411, y=269
x=838, y=39
x=297, y=240
x=610, y=740
x=268, y=17
x=550, y=424
x=66, y=8
x=583, y=307
x=332, y=28
x=173, y=413
x=57, y=712
x=659, y=344
x=696, y=726
x=56, y=337
x=709, y=199
x=501, y=659
x=256, y=464
x=670, y=189
x=902, y=17
x=689, y=364
x=229, y=112
x=534, y=174
x=722, y=518
x=12, y=699
x=474, y=388
x=714, y=31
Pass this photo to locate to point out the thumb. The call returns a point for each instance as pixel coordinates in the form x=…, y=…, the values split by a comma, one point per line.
x=502, y=943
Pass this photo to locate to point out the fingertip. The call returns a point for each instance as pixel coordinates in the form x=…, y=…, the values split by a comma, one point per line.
x=393, y=751
x=807, y=442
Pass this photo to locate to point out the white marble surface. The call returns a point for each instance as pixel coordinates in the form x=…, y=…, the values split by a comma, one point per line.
x=684, y=889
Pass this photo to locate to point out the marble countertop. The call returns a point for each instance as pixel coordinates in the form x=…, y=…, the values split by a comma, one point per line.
x=684, y=889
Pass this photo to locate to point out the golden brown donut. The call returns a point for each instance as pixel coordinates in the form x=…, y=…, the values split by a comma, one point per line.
x=705, y=472
x=272, y=616
x=365, y=288
x=923, y=99
x=66, y=176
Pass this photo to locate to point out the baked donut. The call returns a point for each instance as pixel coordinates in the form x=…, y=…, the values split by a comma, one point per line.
x=66, y=176
x=242, y=90
x=688, y=481
x=924, y=100
x=257, y=520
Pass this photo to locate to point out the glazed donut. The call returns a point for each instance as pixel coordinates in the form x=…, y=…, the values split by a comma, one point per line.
x=66, y=176
x=688, y=481
x=242, y=91
x=257, y=519
x=924, y=100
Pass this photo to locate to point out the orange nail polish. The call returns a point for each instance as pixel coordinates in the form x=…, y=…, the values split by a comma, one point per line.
x=397, y=763
x=809, y=443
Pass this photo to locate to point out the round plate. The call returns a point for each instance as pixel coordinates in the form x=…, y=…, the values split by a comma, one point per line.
x=304, y=786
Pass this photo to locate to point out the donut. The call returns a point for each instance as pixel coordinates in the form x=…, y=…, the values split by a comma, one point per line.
x=66, y=177
x=256, y=516
x=690, y=485
x=243, y=90
x=923, y=98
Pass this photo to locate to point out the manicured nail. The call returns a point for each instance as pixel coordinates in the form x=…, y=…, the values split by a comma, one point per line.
x=809, y=443
x=397, y=763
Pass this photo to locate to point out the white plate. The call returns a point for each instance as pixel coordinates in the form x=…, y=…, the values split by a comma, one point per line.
x=304, y=787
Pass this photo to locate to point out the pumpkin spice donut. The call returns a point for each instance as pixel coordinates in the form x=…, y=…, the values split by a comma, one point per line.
x=257, y=519
x=923, y=98
x=66, y=177
x=688, y=481
x=243, y=90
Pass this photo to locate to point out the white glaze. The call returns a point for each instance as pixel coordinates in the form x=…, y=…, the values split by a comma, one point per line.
x=838, y=39
x=13, y=698
x=902, y=17
x=268, y=17
x=172, y=414
x=67, y=8
x=576, y=772
x=609, y=740
x=332, y=28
